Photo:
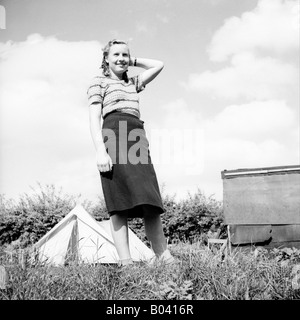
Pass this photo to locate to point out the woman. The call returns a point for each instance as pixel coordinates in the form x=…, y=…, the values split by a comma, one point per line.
x=128, y=178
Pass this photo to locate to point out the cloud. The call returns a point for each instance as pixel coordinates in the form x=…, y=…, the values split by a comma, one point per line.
x=255, y=121
x=42, y=90
x=44, y=115
x=259, y=70
x=272, y=25
x=255, y=134
x=248, y=77
x=179, y=115
x=261, y=49
x=176, y=145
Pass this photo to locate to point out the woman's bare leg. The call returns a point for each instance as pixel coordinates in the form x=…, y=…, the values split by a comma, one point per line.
x=119, y=230
x=154, y=230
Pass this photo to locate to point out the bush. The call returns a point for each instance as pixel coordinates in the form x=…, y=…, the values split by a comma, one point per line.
x=98, y=210
x=192, y=218
x=24, y=222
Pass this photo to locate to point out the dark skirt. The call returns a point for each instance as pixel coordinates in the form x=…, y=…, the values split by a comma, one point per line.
x=132, y=182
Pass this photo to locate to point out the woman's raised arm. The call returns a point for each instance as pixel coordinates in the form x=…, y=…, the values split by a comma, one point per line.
x=153, y=68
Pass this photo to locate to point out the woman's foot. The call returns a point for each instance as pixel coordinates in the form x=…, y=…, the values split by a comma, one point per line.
x=165, y=258
x=125, y=262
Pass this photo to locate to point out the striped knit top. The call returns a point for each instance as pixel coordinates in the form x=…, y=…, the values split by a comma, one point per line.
x=116, y=95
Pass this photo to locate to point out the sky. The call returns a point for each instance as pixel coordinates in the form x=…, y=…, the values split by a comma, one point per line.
x=227, y=98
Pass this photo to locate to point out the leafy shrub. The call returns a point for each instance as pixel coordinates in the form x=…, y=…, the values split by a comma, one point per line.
x=24, y=222
x=33, y=215
x=192, y=218
x=98, y=210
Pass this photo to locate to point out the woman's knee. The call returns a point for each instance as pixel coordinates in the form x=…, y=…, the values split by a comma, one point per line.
x=150, y=211
x=118, y=219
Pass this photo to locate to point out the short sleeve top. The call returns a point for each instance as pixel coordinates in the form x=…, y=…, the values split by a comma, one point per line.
x=116, y=95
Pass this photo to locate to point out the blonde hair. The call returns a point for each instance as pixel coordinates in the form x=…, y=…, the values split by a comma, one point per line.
x=104, y=65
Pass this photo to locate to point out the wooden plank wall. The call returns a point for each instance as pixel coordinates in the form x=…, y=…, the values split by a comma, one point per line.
x=263, y=199
x=263, y=205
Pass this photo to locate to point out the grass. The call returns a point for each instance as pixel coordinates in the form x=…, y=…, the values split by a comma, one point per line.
x=199, y=274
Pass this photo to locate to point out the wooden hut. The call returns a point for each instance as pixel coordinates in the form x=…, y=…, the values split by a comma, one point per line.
x=262, y=206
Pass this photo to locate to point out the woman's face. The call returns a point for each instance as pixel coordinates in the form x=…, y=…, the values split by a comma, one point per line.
x=118, y=59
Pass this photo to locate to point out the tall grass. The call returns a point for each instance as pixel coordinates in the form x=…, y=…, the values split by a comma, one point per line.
x=198, y=274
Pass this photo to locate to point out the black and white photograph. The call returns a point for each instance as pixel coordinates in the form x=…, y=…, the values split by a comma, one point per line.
x=149, y=151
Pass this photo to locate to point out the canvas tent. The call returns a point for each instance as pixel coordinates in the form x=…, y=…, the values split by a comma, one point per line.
x=78, y=236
